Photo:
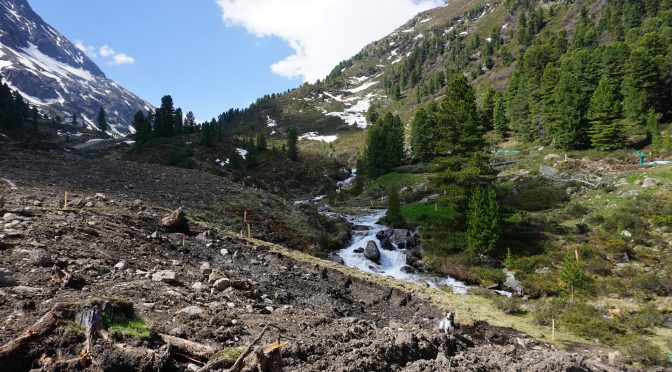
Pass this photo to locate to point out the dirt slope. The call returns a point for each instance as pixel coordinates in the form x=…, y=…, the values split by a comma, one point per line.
x=332, y=321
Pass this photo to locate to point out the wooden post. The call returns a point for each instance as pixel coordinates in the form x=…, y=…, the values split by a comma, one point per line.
x=249, y=229
x=436, y=207
x=241, y=234
x=244, y=215
x=65, y=200
x=553, y=329
x=576, y=254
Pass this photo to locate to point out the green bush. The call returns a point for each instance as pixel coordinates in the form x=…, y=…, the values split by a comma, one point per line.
x=488, y=276
x=509, y=305
x=650, y=282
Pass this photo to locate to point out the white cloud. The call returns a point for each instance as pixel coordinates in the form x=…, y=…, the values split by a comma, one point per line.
x=105, y=52
x=122, y=59
x=321, y=32
x=90, y=50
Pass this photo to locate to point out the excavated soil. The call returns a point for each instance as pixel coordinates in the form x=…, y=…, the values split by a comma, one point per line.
x=331, y=321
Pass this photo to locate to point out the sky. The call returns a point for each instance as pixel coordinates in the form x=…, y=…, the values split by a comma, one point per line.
x=211, y=55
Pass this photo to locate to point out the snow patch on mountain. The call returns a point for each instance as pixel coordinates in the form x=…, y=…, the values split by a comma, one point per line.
x=313, y=136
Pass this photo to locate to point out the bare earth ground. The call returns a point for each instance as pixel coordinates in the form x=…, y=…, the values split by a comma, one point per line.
x=331, y=321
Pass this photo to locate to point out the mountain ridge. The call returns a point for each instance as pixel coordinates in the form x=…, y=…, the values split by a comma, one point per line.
x=51, y=73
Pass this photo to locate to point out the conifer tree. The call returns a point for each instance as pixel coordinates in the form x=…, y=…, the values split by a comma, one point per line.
x=458, y=127
x=422, y=132
x=143, y=129
x=190, y=123
x=394, y=216
x=482, y=222
x=487, y=108
x=372, y=115
x=653, y=130
x=102, y=120
x=605, y=131
x=499, y=115
x=261, y=142
x=74, y=119
x=640, y=84
x=178, y=122
x=572, y=274
x=293, y=144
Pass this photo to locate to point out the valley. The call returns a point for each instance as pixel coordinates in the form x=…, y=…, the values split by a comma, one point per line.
x=488, y=187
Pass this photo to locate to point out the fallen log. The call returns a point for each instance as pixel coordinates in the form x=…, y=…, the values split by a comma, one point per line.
x=45, y=325
x=191, y=350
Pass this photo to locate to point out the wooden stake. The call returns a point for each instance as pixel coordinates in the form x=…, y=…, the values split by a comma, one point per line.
x=244, y=215
x=436, y=207
x=249, y=229
x=576, y=254
x=65, y=200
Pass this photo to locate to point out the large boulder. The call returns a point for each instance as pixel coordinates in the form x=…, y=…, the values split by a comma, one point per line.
x=372, y=252
x=512, y=284
x=386, y=244
x=176, y=221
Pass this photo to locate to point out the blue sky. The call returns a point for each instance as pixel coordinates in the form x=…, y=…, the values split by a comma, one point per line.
x=185, y=51
x=211, y=55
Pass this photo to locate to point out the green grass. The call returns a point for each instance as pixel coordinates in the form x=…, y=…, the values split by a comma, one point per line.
x=417, y=214
x=136, y=327
x=227, y=353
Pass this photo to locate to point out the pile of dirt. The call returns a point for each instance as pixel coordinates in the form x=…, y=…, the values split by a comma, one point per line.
x=187, y=295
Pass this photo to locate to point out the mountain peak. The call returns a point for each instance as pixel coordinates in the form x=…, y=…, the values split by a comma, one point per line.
x=54, y=75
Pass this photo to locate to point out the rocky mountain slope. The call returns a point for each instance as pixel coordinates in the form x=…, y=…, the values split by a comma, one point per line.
x=54, y=75
x=339, y=102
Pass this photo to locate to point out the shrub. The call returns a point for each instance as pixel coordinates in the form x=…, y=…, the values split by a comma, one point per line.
x=510, y=305
x=488, y=276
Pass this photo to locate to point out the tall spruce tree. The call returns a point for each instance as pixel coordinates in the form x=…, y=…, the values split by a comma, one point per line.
x=459, y=129
x=483, y=225
x=143, y=128
x=178, y=121
x=605, y=131
x=640, y=85
x=422, y=132
x=293, y=144
x=499, y=115
x=393, y=215
x=102, y=120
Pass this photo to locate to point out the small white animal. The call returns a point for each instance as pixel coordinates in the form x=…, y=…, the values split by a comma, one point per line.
x=447, y=324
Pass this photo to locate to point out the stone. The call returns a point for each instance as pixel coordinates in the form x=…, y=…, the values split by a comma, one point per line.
x=9, y=217
x=359, y=250
x=649, y=182
x=175, y=221
x=41, y=258
x=191, y=310
x=338, y=259
x=224, y=252
x=408, y=270
x=238, y=254
x=206, y=270
x=222, y=284
x=2, y=201
x=512, y=284
x=6, y=278
x=386, y=244
x=372, y=252
x=214, y=276
x=626, y=234
x=122, y=265
x=165, y=276
x=547, y=171
x=198, y=286
x=101, y=196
